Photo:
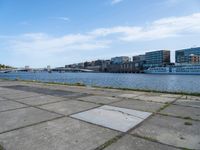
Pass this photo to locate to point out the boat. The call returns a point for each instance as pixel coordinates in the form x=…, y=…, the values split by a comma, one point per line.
x=178, y=69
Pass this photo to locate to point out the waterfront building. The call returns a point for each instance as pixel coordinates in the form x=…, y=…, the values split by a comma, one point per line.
x=139, y=61
x=80, y=65
x=120, y=60
x=27, y=67
x=132, y=67
x=105, y=65
x=157, y=58
x=87, y=63
x=194, y=59
x=48, y=68
x=138, y=58
x=190, y=55
x=129, y=67
x=98, y=62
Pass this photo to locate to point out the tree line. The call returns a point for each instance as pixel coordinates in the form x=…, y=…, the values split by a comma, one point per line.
x=2, y=66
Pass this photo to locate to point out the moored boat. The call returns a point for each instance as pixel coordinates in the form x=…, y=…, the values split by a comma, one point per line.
x=178, y=69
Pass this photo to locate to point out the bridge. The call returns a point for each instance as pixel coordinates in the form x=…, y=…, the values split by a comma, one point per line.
x=61, y=69
x=71, y=70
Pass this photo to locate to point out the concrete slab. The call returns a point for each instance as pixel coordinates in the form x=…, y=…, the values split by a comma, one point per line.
x=2, y=99
x=68, y=107
x=155, y=99
x=96, y=91
x=188, y=102
x=100, y=99
x=129, y=142
x=139, y=105
x=182, y=111
x=10, y=120
x=172, y=131
x=8, y=105
x=46, y=91
x=116, y=118
x=21, y=95
x=40, y=100
x=171, y=95
x=191, y=97
x=128, y=95
x=151, y=93
x=59, y=134
x=4, y=91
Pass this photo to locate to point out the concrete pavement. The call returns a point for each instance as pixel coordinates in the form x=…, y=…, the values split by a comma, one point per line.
x=37, y=116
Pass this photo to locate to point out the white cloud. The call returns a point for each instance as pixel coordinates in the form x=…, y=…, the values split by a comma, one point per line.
x=41, y=45
x=99, y=38
x=39, y=49
x=162, y=28
x=113, y=2
x=64, y=18
x=24, y=23
x=61, y=18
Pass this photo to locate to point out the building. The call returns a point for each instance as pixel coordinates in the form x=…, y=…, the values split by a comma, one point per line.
x=129, y=67
x=48, y=68
x=80, y=65
x=138, y=58
x=120, y=60
x=105, y=65
x=98, y=62
x=194, y=59
x=189, y=55
x=27, y=67
x=87, y=64
x=139, y=62
x=157, y=58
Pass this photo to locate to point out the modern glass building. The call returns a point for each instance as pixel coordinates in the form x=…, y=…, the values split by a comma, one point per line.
x=157, y=58
x=184, y=55
x=120, y=60
x=138, y=58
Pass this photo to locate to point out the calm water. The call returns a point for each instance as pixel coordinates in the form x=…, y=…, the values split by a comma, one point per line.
x=174, y=83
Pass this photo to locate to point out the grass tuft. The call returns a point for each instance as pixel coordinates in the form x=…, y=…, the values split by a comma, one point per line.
x=188, y=118
x=108, y=143
x=1, y=147
x=188, y=123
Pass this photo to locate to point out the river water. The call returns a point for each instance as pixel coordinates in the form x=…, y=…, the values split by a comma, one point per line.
x=172, y=83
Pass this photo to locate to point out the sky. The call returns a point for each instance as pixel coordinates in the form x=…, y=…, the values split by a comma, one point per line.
x=38, y=33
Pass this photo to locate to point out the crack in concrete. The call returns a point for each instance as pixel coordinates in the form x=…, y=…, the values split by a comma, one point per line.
x=122, y=113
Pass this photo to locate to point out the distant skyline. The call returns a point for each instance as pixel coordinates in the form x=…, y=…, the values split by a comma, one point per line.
x=50, y=32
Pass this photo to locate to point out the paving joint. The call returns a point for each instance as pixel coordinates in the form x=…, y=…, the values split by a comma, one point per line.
x=187, y=105
x=156, y=141
x=116, y=135
x=35, y=107
x=115, y=139
x=14, y=109
x=180, y=117
x=33, y=124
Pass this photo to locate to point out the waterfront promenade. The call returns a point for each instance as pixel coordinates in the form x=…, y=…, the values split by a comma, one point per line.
x=38, y=116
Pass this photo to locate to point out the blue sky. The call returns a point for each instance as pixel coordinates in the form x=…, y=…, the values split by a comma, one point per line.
x=58, y=32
